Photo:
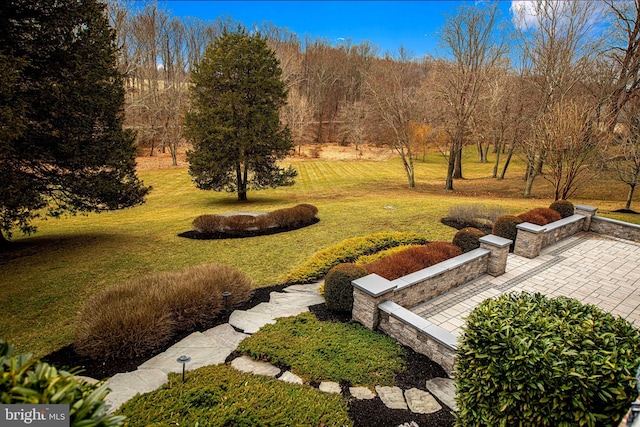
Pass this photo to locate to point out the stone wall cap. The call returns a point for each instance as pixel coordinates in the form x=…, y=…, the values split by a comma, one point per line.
x=493, y=240
x=564, y=221
x=405, y=316
x=531, y=228
x=616, y=222
x=374, y=285
x=442, y=336
x=586, y=208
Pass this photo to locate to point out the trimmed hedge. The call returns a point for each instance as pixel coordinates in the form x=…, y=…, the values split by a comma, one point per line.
x=505, y=227
x=338, y=291
x=564, y=207
x=348, y=251
x=549, y=214
x=533, y=218
x=24, y=380
x=140, y=316
x=468, y=239
x=296, y=216
x=413, y=259
x=529, y=360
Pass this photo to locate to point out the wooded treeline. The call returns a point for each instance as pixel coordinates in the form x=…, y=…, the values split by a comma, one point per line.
x=561, y=90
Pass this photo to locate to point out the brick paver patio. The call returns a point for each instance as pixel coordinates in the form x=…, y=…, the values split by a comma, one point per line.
x=589, y=267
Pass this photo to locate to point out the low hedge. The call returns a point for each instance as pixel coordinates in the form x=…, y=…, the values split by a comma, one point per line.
x=296, y=216
x=24, y=380
x=348, y=251
x=140, y=316
x=505, y=226
x=549, y=214
x=533, y=218
x=413, y=259
x=530, y=360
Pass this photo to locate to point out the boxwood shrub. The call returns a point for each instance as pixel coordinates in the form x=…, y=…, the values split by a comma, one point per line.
x=505, y=226
x=468, y=239
x=348, y=251
x=338, y=291
x=530, y=360
x=564, y=207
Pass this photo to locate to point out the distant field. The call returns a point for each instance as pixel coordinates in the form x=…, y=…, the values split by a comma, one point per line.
x=45, y=278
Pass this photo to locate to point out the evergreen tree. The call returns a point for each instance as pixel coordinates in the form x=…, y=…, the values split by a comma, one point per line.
x=62, y=145
x=234, y=126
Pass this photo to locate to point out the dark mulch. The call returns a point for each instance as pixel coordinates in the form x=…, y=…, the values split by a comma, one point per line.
x=239, y=234
x=364, y=413
x=459, y=224
x=627, y=211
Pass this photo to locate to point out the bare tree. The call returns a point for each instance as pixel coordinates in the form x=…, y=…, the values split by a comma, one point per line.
x=394, y=86
x=625, y=151
x=557, y=41
x=470, y=38
x=354, y=120
x=571, y=141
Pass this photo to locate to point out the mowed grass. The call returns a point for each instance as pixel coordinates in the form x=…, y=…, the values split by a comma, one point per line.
x=45, y=278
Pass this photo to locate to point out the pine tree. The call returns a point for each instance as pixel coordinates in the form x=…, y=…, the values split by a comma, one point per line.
x=234, y=126
x=64, y=149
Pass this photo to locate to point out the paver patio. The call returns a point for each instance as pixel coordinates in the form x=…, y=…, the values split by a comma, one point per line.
x=590, y=267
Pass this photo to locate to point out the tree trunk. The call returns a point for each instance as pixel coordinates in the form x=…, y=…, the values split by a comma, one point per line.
x=457, y=173
x=498, y=149
x=512, y=148
x=450, y=168
x=627, y=206
x=529, y=183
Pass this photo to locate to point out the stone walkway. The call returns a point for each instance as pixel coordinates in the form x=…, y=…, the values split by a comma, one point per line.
x=589, y=267
x=213, y=346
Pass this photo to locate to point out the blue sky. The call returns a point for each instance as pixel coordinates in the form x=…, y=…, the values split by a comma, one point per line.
x=388, y=24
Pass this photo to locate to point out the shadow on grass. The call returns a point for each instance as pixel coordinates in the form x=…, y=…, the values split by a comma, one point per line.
x=253, y=202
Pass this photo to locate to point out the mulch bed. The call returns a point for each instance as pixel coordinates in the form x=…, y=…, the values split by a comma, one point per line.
x=364, y=413
x=239, y=234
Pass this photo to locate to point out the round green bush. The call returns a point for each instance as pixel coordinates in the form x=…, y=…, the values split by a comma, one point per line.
x=530, y=360
x=338, y=291
x=505, y=226
x=563, y=207
x=468, y=239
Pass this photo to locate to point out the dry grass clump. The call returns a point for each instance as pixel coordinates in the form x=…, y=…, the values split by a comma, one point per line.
x=296, y=216
x=137, y=317
x=473, y=212
x=413, y=259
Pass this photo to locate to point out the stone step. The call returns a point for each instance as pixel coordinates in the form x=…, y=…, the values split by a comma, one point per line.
x=392, y=397
x=421, y=402
x=445, y=390
x=126, y=385
x=248, y=365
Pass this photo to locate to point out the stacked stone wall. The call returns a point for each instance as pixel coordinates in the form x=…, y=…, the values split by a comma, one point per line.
x=614, y=228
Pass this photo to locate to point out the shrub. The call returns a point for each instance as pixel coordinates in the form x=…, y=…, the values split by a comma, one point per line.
x=468, y=239
x=529, y=360
x=338, y=291
x=505, y=226
x=549, y=214
x=208, y=223
x=348, y=251
x=239, y=222
x=413, y=259
x=563, y=207
x=368, y=259
x=293, y=217
x=533, y=218
x=137, y=317
x=24, y=380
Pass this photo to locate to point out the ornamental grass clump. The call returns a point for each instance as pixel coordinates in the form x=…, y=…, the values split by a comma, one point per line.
x=530, y=360
x=138, y=317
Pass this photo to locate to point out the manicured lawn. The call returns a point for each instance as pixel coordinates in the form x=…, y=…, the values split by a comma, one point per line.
x=46, y=277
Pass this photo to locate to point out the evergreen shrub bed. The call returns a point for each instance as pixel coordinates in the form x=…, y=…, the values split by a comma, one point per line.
x=137, y=317
x=349, y=251
x=413, y=259
x=530, y=360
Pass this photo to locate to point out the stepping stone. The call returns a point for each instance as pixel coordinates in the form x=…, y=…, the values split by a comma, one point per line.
x=225, y=336
x=126, y=385
x=249, y=322
x=392, y=397
x=248, y=365
x=421, y=402
x=295, y=299
x=361, y=393
x=203, y=348
x=330, y=387
x=289, y=377
x=311, y=288
x=445, y=390
x=277, y=310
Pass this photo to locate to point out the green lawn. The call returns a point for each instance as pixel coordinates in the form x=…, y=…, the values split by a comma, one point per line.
x=45, y=278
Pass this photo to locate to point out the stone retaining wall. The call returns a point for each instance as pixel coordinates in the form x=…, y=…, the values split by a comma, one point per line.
x=612, y=227
x=532, y=238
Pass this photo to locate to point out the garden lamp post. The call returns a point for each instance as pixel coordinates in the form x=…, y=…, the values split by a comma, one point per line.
x=184, y=360
x=225, y=298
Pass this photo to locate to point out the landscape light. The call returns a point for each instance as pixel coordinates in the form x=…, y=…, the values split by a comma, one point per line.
x=184, y=360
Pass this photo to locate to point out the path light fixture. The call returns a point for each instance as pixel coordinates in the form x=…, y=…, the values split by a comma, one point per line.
x=184, y=360
x=225, y=298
